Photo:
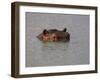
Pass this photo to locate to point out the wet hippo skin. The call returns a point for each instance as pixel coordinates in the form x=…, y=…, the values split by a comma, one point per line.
x=54, y=35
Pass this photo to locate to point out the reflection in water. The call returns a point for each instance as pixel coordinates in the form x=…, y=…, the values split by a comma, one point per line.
x=54, y=46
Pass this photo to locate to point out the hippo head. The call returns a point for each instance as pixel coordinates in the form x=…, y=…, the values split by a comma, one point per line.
x=46, y=35
x=54, y=35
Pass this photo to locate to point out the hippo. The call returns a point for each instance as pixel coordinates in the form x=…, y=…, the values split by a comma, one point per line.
x=54, y=35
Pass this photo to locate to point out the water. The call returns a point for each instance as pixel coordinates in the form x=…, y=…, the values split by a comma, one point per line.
x=74, y=52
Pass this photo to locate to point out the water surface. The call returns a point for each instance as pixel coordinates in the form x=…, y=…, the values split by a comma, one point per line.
x=74, y=52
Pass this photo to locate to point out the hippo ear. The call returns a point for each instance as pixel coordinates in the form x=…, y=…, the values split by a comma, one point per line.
x=65, y=29
x=45, y=31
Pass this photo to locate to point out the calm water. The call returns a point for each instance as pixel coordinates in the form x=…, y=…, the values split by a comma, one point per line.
x=74, y=52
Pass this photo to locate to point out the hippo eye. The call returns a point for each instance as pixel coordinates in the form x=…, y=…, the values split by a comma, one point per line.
x=45, y=31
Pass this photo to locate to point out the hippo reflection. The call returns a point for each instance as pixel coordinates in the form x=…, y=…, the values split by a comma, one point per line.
x=54, y=35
